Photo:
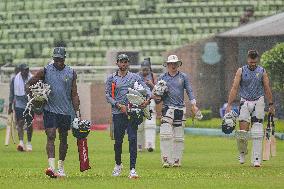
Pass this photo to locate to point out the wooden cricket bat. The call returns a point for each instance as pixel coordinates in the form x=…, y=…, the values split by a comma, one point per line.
x=8, y=132
x=266, y=146
x=273, y=146
x=10, y=129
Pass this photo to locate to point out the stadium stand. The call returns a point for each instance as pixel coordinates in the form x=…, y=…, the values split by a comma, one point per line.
x=89, y=28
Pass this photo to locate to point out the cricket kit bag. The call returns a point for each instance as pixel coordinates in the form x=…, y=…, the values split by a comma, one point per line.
x=229, y=122
x=80, y=130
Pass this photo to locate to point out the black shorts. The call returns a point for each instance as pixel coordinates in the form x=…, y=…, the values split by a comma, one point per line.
x=53, y=120
x=19, y=113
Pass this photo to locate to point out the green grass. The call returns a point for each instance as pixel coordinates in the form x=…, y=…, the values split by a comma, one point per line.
x=209, y=162
x=216, y=123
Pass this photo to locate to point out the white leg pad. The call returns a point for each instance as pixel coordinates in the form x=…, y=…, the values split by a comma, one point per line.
x=169, y=116
x=166, y=144
x=150, y=132
x=242, y=137
x=257, y=138
x=150, y=137
x=178, y=144
x=140, y=136
x=151, y=123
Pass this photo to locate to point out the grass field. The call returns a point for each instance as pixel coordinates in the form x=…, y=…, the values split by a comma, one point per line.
x=216, y=123
x=209, y=162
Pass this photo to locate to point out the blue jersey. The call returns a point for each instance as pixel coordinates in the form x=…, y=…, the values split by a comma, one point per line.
x=176, y=86
x=60, y=81
x=251, y=84
x=148, y=77
x=121, y=89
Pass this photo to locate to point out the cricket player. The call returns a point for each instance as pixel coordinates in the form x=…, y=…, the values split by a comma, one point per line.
x=19, y=99
x=253, y=82
x=116, y=89
x=173, y=112
x=146, y=134
x=63, y=101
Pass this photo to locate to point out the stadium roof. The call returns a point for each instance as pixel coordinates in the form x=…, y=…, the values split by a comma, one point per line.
x=269, y=26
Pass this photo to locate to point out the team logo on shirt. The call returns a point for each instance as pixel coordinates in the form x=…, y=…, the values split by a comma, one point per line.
x=66, y=78
x=257, y=75
x=180, y=81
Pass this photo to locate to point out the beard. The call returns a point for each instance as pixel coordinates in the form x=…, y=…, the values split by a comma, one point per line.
x=252, y=67
x=123, y=68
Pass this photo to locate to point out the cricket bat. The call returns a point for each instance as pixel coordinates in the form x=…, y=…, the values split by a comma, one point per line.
x=10, y=129
x=8, y=133
x=273, y=139
x=269, y=146
x=266, y=145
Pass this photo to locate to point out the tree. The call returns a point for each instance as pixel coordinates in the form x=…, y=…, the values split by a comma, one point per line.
x=273, y=61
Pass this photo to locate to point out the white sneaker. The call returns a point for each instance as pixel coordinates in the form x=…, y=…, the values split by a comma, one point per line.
x=166, y=164
x=176, y=163
x=242, y=158
x=133, y=174
x=256, y=164
x=51, y=173
x=29, y=147
x=117, y=170
x=61, y=173
x=20, y=148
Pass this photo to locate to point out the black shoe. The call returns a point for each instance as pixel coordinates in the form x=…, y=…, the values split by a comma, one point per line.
x=150, y=149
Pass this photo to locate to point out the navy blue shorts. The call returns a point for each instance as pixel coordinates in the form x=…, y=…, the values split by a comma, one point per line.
x=19, y=113
x=53, y=120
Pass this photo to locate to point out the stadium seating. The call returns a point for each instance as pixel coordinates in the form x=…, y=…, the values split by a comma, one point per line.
x=89, y=28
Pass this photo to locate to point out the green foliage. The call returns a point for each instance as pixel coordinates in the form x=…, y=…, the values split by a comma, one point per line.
x=273, y=62
x=209, y=162
x=207, y=114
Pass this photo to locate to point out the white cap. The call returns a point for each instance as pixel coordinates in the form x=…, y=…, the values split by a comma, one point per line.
x=173, y=59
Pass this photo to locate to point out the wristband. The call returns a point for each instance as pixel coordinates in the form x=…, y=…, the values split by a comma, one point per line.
x=193, y=102
x=78, y=114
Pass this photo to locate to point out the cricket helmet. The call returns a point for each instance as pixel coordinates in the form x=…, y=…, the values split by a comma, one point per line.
x=229, y=122
x=122, y=57
x=80, y=128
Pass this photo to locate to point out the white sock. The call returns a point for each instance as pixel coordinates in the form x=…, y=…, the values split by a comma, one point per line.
x=51, y=163
x=29, y=143
x=60, y=164
x=21, y=142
